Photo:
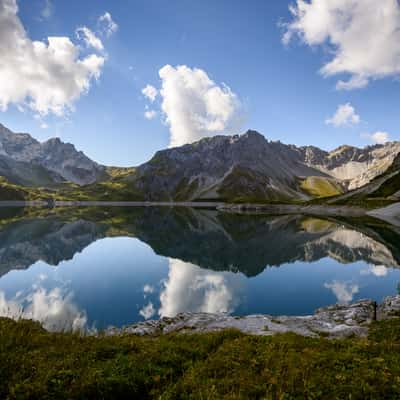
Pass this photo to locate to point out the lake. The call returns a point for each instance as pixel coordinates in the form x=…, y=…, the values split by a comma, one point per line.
x=89, y=268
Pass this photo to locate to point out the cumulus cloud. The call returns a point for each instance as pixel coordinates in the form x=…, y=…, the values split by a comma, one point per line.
x=150, y=114
x=90, y=38
x=195, y=106
x=107, y=24
x=47, y=76
x=189, y=288
x=343, y=291
x=344, y=115
x=54, y=309
x=378, y=137
x=362, y=35
x=150, y=92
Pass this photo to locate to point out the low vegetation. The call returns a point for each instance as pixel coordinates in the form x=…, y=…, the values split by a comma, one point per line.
x=35, y=364
x=318, y=187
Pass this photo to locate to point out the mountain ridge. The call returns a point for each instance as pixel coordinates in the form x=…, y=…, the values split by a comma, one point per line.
x=58, y=158
x=245, y=167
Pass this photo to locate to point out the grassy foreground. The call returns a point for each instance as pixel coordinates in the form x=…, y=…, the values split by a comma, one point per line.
x=35, y=364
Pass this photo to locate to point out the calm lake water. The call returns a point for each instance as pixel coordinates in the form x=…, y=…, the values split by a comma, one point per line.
x=95, y=267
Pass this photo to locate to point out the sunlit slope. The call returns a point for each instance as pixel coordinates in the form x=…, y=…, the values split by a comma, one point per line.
x=318, y=186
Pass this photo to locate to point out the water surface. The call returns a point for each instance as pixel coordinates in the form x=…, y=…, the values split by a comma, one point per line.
x=88, y=268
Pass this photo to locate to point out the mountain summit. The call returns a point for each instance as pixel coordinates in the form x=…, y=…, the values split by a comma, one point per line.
x=52, y=161
x=245, y=167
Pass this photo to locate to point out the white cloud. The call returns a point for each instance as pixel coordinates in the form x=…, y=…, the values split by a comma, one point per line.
x=362, y=35
x=190, y=288
x=147, y=311
x=345, y=115
x=343, y=291
x=107, y=24
x=47, y=77
x=195, y=106
x=150, y=92
x=150, y=114
x=378, y=137
x=90, y=38
x=54, y=309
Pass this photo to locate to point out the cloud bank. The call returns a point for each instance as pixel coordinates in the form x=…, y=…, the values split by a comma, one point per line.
x=362, y=35
x=194, y=106
x=51, y=75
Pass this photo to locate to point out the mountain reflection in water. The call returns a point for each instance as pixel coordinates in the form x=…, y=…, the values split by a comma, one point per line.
x=120, y=265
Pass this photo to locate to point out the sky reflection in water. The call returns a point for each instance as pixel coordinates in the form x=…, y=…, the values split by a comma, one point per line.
x=92, y=269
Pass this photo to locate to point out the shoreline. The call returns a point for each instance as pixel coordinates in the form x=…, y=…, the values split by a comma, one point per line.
x=334, y=322
x=220, y=206
x=389, y=214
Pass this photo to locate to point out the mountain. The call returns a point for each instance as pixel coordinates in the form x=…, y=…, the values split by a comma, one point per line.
x=353, y=166
x=384, y=187
x=248, y=167
x=26, y=161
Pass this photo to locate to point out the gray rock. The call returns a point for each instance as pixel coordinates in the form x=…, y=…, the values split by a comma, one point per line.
x=248, y=167
x=336, y=321
x=58, y=161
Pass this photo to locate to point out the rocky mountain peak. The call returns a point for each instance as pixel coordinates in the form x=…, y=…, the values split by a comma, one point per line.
x=54, y=155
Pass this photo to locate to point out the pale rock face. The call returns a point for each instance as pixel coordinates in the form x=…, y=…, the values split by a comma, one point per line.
x=355, y=166
x=53, y=155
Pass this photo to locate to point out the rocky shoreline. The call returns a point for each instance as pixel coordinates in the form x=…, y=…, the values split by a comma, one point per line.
x=335, y=321
x=321, y=210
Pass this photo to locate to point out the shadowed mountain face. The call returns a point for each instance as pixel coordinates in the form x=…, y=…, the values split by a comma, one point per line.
x=211, y=240
x=26, y=161
x=248, y=167
x=225, y=167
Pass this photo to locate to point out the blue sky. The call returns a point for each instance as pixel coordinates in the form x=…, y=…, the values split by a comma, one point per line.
x=281, y=92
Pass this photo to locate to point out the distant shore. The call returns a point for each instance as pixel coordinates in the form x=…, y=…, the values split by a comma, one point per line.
x=389, y=214
x=248, y=208
x=42, y=203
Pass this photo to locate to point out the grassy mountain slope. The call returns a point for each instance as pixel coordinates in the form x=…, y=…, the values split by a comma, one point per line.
x=321, y=187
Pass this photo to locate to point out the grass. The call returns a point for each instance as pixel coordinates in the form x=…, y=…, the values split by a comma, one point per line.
x=35, y=364
x=320, y=187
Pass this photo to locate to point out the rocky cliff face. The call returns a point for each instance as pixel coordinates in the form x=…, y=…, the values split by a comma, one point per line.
x=58, y=160
x=244, y=167
x=251, y=168
x=236, y=167
x=353, y=165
